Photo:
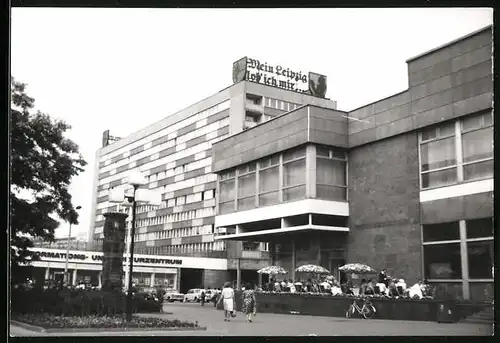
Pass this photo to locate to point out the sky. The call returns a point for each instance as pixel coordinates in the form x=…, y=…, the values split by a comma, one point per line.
x=124, y=69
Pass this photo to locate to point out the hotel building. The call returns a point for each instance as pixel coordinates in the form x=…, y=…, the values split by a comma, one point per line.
x=257, y=174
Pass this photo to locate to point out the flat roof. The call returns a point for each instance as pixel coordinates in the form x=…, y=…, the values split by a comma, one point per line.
x=450, y=43
x=273, y=233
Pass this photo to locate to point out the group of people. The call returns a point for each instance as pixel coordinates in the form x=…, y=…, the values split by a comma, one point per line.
x=325, y=285
x=227, y=297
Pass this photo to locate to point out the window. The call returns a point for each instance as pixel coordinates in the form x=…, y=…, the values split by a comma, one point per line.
x=440, y=163
x=441, y=232
x=480, y=255
x=479, y=228
x=331, y=178
x=294, y=174
x=442, y=261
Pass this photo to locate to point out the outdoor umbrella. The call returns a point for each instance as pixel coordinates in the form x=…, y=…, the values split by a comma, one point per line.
x=313, y=269
x=272, y=270
x=357, y=268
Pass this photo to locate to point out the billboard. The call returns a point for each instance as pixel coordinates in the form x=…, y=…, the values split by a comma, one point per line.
x=317, y=85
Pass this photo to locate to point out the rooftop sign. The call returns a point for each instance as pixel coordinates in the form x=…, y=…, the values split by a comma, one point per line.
x=253, y=70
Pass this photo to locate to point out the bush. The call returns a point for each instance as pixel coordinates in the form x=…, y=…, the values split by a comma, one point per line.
x=79, y=302
x=51, y=321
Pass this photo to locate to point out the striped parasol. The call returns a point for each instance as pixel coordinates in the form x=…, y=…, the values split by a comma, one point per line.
x=272, y=270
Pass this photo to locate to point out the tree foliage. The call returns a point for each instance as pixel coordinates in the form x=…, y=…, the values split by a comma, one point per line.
x=43, y=163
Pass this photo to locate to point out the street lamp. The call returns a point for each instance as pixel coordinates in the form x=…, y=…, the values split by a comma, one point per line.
x=66, y=274
x=135, y=179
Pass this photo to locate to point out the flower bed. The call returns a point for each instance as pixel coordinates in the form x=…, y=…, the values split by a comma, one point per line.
x=49, y=321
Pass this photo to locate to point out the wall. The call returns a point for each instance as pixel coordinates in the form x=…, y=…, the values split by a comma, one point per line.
x=215, y=278
x=444, y=84
x=328, y=127
x=383, y=193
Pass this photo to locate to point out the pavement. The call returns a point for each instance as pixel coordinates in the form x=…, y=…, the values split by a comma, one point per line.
x=267, y=324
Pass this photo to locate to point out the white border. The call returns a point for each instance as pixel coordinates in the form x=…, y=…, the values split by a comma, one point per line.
x=474, y=187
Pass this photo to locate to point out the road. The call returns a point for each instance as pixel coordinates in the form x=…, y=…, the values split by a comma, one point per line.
x=285, y=325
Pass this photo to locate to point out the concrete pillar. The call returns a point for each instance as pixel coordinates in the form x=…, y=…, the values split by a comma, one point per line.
x=260, y=279
x=152, y=280
x=293, y=260
x=75, y=274
x=178, y=280
x=47, y=273
x=280, y=180
x=99, y=279
x=310, y=171
x=238, y=274
x=465, y=260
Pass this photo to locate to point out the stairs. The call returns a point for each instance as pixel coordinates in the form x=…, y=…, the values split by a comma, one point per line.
x=483, y=317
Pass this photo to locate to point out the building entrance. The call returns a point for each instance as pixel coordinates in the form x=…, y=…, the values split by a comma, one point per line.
x=190, y=278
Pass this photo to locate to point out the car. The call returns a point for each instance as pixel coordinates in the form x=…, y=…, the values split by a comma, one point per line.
x=209, y=293
x=194, y=295
x=172, y=295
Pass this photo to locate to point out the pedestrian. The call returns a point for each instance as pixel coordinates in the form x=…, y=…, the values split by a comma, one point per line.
x=227, y=298
x=382, y=277
x=202, y=300
x=215, y=294
x=249, y=302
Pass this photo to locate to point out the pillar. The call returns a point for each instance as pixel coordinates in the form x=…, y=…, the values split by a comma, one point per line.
x=310, y=170
x=293, y=259
x=99, y=279
x=178, y=280
x=152, y=280
x=75, y=274
x=113, y=249
x=238, y=274
x=260, y=279
x=464, y=260
x=47, y=273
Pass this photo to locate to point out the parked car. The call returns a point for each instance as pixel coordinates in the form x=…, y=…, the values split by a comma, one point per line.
x=172, y=295
x=193, y=295
x=209, y=293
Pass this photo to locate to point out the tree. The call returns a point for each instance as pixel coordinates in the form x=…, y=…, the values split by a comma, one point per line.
x=43, y=162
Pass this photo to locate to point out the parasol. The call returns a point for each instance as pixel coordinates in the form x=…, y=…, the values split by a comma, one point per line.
x=313, y=269
x=357, y=268
x=272, y=270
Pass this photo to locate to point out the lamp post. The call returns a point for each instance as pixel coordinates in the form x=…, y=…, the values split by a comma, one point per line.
x=135, y=179
x=66, y=274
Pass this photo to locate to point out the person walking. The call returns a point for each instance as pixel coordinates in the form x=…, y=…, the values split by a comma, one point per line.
x=227, y=298
x=249, y=302
x=202, y=298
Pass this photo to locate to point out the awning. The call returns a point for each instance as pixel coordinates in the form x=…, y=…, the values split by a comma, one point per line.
x=271, y=234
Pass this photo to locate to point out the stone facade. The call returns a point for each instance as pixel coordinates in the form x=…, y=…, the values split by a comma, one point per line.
x=113, y=249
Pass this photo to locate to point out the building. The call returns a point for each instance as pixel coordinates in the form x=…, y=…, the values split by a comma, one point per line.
x=405, y=183
x=176, y=155
x=75, y=243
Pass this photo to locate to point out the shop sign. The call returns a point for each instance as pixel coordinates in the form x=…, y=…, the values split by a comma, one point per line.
x=253, y=70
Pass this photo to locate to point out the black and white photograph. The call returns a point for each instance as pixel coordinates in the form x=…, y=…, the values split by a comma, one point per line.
x=214, y=172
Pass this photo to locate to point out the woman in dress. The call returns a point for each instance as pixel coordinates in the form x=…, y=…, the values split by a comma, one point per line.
x=227, y=298
x=249, y=302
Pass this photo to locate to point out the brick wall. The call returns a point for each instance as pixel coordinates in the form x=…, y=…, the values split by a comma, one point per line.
x=384, y=206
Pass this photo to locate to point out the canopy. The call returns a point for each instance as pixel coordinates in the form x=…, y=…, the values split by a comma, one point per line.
x=272, y=270
x=311, y=268
x=357, y=268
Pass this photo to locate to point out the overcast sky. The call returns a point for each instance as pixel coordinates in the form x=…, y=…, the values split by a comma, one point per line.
x=123, y=69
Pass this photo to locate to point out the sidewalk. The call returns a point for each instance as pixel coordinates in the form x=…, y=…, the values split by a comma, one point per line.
x=287, y=325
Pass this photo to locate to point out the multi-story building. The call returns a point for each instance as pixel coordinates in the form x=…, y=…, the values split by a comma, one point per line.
x=405, y=183
x=175, y=154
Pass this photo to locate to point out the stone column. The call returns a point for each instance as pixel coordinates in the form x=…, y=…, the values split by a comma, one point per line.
x=464, y=261
x=238, y=274
x=47, y=273
x=152, y=280
x=99, y=279
x=113, y=248
x=294, y=260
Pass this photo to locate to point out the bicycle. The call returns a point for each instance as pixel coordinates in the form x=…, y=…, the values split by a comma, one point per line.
x=367, y=310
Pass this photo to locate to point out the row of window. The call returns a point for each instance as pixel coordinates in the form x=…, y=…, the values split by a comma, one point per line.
x=175, y=233
x=170, y=130
x=183, y=248
x=180, y=200
x=144, y=279
x=180, y=169
x=442, y=250
x=175, y=217
x=280, y=104
x=457, y=151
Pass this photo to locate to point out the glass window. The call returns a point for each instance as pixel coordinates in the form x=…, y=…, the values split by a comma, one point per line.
x=478, y=144
x=439, y=178
x=226, y=207
x=331, y=192
x=294, y=154
x=294, y=173
x=294, y=193
x=480, y=256
x=438, y=154
x=478, y=228
x=268, y=199
x=246, y=185
x=330, y=172
x=227, y=191
x=441, y=232
x=442, y=261
x=268, y=179
x=478, y=170
x=246, y=203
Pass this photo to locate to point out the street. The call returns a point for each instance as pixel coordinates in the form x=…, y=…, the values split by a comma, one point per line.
x=284, y=325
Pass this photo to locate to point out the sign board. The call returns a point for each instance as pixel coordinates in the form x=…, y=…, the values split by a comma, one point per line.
x=95, y=257
x=253, y=70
